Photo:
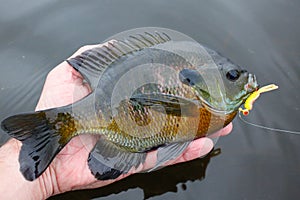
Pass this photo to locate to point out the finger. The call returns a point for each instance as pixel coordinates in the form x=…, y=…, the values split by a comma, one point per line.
x=196, y=149
x=223, y=132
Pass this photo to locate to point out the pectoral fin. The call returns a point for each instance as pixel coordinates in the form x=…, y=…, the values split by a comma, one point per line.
x=108, y=161
x=172, y=105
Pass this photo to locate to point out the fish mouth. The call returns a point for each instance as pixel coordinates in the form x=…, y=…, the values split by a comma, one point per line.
x=252, y=84
x=250, y=87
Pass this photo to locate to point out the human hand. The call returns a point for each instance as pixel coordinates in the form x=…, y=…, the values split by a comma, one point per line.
x=69, y=170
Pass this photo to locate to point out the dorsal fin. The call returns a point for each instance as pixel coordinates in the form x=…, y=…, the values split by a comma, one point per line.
x=91, y=63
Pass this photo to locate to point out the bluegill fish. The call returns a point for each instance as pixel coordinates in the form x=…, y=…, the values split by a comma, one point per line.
x=151, y=90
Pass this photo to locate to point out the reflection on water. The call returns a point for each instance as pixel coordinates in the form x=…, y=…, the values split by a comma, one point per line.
x=155, y=183
x=261, y=36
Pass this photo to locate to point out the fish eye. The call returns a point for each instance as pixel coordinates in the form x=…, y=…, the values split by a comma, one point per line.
x=233, y=75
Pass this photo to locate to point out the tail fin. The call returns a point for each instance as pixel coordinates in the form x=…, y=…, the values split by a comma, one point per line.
x=41, y=139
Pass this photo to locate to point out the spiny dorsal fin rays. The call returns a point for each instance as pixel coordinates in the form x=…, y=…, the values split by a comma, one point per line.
x=146, y=39
x=111, y=52
x=152, y=37
x=138, y=40
x=93, y=62
x=134, y=44
x=161, y=37
x=117, y=47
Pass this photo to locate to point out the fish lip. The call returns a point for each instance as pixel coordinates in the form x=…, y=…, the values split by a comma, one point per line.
x=252, y=84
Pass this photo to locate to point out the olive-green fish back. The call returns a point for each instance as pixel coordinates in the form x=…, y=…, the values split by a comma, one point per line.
x=93, y=62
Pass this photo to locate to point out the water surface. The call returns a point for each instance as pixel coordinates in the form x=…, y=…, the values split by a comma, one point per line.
x=261, y=36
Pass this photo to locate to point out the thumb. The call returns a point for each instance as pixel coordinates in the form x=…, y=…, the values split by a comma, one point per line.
x=63, y=86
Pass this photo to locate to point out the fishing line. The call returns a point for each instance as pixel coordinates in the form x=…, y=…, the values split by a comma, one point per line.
x=268, y=128
x=248, y=105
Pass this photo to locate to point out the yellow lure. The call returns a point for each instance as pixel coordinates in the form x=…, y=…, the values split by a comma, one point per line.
x=251, y=99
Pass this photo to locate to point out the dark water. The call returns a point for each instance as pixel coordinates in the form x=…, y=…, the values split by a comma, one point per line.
x=260, y=35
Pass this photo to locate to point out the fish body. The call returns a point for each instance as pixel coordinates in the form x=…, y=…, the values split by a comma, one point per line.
x=149, y=92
